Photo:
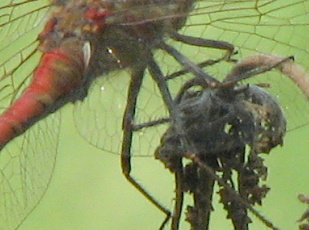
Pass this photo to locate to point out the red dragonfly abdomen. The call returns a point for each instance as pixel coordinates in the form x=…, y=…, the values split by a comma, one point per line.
x=57, y=75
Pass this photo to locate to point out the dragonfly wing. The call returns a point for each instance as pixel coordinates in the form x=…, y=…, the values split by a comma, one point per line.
x=267, y=26
x=27, y=163
x=26, y=167
x=98, y=117
x=251, y=26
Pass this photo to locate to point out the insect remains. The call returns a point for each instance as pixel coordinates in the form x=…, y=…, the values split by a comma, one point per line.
x=228, y=128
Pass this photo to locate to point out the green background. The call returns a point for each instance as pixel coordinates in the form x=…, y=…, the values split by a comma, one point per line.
x=88, y=190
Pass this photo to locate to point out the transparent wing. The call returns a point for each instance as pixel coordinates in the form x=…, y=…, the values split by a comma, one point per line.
x=99, y=117
x=26, y=167
x=263, y=26
x=26, y=164
x=260, y=26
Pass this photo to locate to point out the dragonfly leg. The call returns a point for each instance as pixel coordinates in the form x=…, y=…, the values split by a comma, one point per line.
x=128, y=128
x=189, y=65
x=200, y=65
x=202, y=42
x=157, y=75
x=159, y=78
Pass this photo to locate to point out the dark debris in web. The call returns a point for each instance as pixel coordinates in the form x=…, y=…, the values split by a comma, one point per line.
x=230, y=128
x=304, y=219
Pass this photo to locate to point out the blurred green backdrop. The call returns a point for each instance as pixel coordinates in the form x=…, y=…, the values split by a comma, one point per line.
x=88, y=190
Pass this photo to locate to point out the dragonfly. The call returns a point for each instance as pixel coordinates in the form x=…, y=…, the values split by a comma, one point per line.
x=24, y=24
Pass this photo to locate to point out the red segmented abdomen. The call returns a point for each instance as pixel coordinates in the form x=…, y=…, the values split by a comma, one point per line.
x=59, y=72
